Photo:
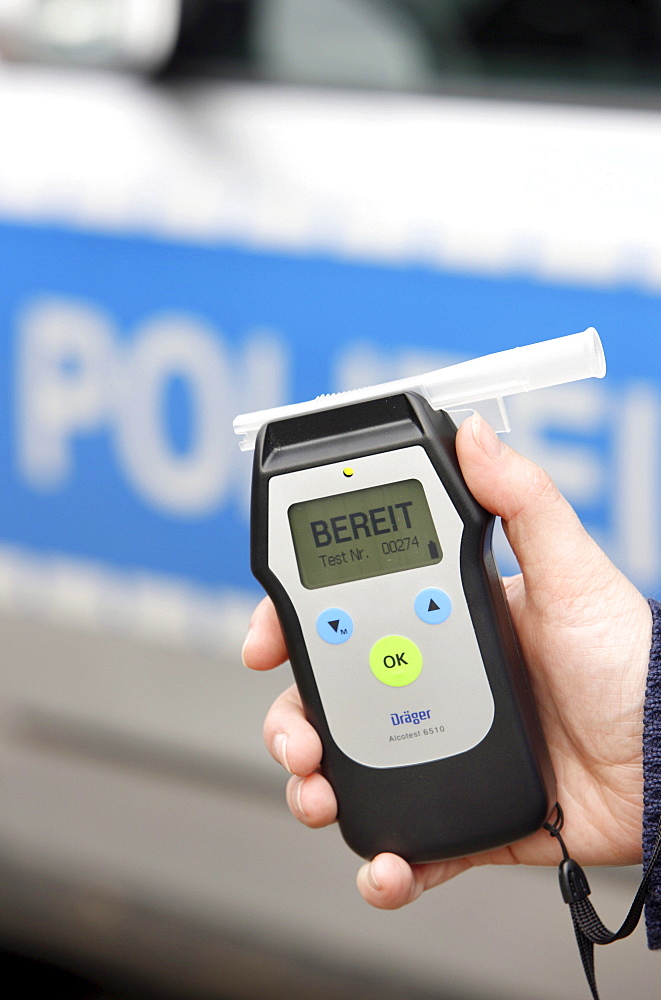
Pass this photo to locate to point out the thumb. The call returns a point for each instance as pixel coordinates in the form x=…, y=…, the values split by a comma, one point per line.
x=545, y=533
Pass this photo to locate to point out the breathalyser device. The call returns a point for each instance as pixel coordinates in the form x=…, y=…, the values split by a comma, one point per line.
x=379, y=563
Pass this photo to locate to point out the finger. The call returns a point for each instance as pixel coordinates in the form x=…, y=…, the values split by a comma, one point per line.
x=388, y=882
x=264, y=646
x=541, y=526
x=311, y=801
x=289, y=737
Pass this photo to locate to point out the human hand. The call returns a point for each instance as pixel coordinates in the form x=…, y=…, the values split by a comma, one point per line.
x=585, y=634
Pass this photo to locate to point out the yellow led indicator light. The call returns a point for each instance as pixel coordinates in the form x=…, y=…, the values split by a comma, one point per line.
x=348, y=471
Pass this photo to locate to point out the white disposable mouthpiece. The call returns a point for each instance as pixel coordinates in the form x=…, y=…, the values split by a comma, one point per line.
x=479, y=385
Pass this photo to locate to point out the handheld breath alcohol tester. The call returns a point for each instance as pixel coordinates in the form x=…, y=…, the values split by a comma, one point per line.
x=379, y=563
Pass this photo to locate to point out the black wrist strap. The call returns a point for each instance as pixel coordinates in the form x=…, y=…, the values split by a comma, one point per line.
x=575, y=890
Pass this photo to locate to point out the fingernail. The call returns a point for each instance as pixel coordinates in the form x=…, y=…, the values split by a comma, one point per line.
x=486, y=438
x=280, y=750
x=296, y=794
x=371, y=877
x=243, y=648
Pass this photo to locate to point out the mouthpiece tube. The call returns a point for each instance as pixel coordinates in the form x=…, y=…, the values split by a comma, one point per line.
x=521, y=369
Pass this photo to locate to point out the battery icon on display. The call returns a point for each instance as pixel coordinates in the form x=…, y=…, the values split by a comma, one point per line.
x=433, y=550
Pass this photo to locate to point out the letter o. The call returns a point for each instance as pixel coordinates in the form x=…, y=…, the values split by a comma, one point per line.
x=190, y=483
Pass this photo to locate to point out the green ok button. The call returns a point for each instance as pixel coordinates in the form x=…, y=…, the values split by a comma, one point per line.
x=395, y=660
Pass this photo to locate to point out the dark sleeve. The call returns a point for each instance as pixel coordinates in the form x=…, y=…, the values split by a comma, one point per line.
x=652, y=776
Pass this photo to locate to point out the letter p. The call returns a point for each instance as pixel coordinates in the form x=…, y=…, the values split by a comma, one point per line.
x=65, y=355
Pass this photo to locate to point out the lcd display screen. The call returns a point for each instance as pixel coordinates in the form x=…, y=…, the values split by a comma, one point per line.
x=363, y=533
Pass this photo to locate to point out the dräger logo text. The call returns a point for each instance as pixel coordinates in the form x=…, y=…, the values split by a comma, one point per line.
x=406, y=718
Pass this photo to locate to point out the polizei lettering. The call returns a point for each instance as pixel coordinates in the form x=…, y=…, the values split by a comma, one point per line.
x=406, y=718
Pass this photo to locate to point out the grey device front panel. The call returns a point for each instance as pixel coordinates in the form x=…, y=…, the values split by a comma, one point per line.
x=448, y=708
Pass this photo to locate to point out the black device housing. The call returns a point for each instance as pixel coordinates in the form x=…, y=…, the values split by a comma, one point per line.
x=501, y=790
